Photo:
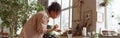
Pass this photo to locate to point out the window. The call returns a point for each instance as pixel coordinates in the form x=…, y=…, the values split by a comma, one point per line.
x=113, y=15
x=110, y=18
x=65, y=19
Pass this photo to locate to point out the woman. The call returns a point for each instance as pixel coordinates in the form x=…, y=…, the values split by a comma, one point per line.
x=36, y=26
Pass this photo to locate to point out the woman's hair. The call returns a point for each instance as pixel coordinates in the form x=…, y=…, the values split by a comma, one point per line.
x=54, y=7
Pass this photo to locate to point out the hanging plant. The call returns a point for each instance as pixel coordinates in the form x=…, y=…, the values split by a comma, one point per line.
x=105, y=2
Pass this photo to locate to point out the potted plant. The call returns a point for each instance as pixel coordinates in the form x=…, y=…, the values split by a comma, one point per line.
x=105, y=2
x=14, y=13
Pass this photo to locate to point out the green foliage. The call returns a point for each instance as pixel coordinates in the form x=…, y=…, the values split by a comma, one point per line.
x=108, y=1
x=14, y=13
x=12, y=10
x=36, y=7
x=105, y=2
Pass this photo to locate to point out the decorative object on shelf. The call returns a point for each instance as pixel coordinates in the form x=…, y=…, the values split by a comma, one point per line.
x=70, y=33
x=87, y=17
x=105, y=32
x=78, y=31
x=84, y=31
x=78, y=28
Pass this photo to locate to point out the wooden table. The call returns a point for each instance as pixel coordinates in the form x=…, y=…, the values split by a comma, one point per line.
x=74, y=37
x=91, y=37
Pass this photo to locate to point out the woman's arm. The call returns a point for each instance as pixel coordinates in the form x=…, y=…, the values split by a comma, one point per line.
x=53, y=29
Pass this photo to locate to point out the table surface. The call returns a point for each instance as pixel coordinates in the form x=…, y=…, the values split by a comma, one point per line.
x=91, y=37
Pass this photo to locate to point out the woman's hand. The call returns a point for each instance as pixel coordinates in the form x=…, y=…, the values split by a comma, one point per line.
x=55, y=27
x=58, y=30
